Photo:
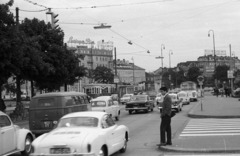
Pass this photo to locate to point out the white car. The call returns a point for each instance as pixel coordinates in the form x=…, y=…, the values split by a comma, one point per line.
x=184, y=97
x=87, y=133
x=193, y=94
x=176, y=103
x=126, y=98
x=158, y=98
x=13, y=139
x=106, y=104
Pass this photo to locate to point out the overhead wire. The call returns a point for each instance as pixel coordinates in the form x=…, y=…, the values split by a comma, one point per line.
x=101, y=6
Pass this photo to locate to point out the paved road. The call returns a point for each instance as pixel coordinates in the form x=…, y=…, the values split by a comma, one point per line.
x=144, y=130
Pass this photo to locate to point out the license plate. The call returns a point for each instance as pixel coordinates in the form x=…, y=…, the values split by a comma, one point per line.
x=47, y=124
x=59, y=150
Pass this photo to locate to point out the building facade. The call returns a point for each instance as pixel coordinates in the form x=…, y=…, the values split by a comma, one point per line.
x=129, y=73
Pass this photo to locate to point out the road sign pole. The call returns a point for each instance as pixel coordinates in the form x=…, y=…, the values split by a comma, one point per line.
x=201, y=97
x=200, y=80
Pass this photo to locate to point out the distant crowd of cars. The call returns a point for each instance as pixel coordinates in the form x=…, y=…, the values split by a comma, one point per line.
x=69, y=123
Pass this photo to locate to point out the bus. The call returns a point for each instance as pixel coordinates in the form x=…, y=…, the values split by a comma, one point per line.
x=191, y=88
x=188, y=85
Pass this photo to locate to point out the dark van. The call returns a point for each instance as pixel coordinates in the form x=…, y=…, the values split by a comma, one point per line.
x=46, y=109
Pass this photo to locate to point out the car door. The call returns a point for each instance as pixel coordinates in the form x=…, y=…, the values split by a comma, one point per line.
x=115, y=108
x=112, y=133
x=8, y=136
x=109, y=108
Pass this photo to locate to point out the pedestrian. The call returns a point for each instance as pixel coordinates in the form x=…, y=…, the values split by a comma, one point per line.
x=165, y=126
x=2, y=105
x=216, y=91
x=226, y=91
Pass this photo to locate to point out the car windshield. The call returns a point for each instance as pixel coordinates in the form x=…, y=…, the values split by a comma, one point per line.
x=78, y=122
x=98, y=104
x=174, y=97
x=126, y=95
x=181, y=94
x=139, y=98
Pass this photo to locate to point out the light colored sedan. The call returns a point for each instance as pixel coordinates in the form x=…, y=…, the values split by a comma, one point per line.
x=184, y=97
x=176, y=103
x=106, y=104
x=13, y=139
x=126, y=98
x=88, y=133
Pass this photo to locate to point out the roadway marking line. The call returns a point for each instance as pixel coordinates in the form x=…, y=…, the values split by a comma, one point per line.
x=212, y=127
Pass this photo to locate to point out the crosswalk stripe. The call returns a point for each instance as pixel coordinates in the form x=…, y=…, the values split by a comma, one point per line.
x=211, y=127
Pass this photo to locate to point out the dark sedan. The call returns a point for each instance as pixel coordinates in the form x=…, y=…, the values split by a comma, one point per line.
x=140, y=103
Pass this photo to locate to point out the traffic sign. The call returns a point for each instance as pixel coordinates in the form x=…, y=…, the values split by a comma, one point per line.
x=116, y=79
x=230, y=74
x=200, y=79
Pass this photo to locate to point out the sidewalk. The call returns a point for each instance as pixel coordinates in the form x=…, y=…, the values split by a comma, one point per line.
x=212, y=107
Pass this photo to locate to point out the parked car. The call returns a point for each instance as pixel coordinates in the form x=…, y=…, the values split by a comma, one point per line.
x=14, y=139
x=176, y=103
x=126, y=98
x=83, y=133
x=106, y=104
x=193, y=94
x=184, y=97
x=140, y=103
x=158, y=98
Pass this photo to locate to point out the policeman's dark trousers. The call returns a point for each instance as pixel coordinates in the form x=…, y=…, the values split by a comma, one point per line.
x=165, y=127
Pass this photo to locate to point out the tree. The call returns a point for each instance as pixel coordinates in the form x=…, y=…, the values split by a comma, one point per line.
x=56, y=66
x=193, y=73
x=220, y=73
x=7, y=39
x=103, y=74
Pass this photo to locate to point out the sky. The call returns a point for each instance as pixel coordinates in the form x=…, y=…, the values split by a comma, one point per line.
x=177, y=28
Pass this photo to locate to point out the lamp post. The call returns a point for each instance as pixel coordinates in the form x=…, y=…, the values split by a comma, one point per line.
x=133, y=72
x=170, y=53
x=161, y=57
x=214, y=53
x=162, y=47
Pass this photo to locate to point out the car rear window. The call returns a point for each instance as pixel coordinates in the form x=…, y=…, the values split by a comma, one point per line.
x=46, y=102
x=98, y=104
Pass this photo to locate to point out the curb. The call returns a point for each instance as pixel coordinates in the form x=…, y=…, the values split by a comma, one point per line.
x=187, y=150
x=191, y=114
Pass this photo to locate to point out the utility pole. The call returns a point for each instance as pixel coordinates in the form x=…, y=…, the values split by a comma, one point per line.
x=133, y=73
x=18, y=83
x=115, y=56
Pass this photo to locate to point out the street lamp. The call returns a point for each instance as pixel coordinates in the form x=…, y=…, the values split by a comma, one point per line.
x=102, y=26
x=214, y=53
x=162, y=47
x=170, y=53
x=213, y=49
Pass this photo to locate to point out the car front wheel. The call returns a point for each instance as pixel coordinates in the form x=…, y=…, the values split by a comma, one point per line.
x=117, y=117
x=103, y=152
x=124, y=148
x=28, y=146
x=130, y=111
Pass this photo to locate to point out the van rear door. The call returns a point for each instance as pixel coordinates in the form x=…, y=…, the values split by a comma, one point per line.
x=44, y=113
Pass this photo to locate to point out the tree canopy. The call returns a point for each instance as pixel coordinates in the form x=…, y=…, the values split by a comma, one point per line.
x=33, y=51
x=103, y=74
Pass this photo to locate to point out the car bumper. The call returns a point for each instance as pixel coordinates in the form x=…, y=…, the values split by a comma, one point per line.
x=138, y=108
x=72, y=154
